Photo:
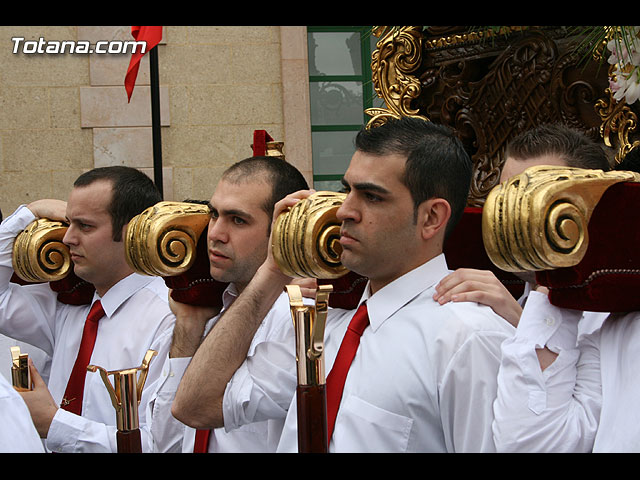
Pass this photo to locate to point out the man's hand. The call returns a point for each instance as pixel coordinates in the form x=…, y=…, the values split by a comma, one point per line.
x=49, y=208
x=189, y=328
x=308, y=286
x=283, y=205
x=40, y=402
x=480, y=286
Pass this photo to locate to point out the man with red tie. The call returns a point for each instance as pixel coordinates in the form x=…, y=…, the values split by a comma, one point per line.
x=411, y=375
x=129, y=313
x=238, y=239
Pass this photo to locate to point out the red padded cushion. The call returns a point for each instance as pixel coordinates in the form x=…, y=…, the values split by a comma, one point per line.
x=607, y=279
x=464, y=248
x=347, y=290
x=196, y=286
x=71, y=290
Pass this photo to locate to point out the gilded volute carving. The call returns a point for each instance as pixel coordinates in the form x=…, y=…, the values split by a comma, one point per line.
x=162, y=240
x=538, y=220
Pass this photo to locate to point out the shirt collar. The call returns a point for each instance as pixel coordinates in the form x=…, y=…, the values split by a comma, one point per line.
x=392, y=297
x=122, y=291
x=228, y=296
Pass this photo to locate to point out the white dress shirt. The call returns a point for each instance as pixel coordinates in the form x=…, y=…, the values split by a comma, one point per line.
x=619, y=427
x=137, y=318
x=249, y=435
x=424, y=376
x=589, y=323
x=17, y=433
x=586, y=400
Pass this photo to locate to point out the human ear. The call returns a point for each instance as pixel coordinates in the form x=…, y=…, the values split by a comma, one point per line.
x=433, y=217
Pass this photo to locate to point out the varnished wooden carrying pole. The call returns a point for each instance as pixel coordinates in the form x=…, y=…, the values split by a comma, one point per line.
x=309, y=325
x=129, y=441
x=125, y=397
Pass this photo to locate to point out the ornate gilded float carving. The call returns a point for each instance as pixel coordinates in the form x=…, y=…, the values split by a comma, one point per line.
x=538, y=220
x=306, y=238
x=490, y=85
x=398, y=55
x=618, y=122
x=162, y=240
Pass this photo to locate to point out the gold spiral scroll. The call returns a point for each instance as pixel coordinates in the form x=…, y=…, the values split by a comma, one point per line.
x=162, y=240
x=538, y=220
x=39, y=254
x=306, y=238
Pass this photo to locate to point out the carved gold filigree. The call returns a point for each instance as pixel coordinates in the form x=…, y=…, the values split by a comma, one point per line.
x=473, y=36
x=538, y=220
x=618, y=122
x=39, y=254
x=616, y=117
x=398, y=54
x=306, y=238
x=162, y=240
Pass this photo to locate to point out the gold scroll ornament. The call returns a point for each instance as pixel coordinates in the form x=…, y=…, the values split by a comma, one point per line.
x=162, y=240
x=538, y=220
x=306, y=238
x=39, y=254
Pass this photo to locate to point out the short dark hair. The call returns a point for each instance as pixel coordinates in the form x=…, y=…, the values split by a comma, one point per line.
x=132, y=193
x=283, y=177
x=570, y=144
x=437, y=164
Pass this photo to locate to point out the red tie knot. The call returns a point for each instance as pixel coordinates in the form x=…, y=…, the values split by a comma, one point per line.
x=96, y=312
x=360, y=320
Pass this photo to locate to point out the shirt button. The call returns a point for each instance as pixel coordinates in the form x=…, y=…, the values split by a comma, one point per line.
x=550, y=321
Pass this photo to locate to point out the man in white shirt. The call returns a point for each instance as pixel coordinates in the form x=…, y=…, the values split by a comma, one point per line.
x=238, y=239
x=136, y=312
x=549, y=385
x=549, y=144
x=423, y=378
x=560, y=391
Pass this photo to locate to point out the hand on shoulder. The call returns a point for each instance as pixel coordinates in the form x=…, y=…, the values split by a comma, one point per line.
x=480, y=286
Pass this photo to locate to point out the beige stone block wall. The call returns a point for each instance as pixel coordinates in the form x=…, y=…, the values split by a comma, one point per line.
x=61, y=114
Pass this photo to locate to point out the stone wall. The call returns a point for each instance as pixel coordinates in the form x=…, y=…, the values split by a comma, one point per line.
x=61, y=114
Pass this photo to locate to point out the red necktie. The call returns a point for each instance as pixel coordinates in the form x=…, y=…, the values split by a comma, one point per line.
x=72, y=400
x=338, y=373
x=202, y=441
